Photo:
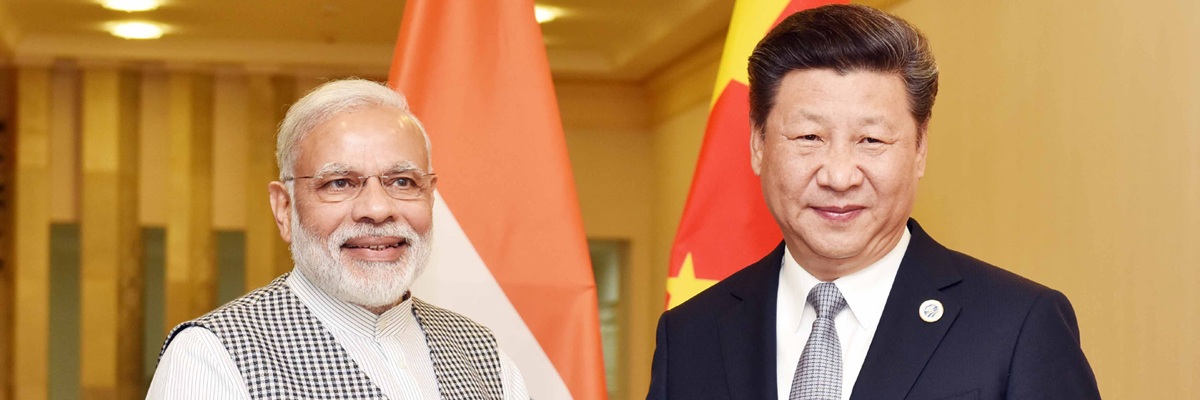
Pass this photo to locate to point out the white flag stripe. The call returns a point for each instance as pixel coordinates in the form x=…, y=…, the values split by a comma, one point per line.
x=459, y=280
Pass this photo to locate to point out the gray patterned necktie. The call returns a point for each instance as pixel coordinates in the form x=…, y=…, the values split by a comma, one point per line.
x=819, y=373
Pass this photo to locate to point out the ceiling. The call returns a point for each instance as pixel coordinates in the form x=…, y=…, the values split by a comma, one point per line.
x=619, y=40
x=609, y=40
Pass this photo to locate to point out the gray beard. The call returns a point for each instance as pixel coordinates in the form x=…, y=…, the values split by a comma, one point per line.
x=369, y=284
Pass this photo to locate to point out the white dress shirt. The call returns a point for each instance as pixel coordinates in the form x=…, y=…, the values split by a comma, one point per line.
x=389, y=348
x=866, y=293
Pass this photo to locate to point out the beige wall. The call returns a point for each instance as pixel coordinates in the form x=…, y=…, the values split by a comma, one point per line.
x=612, y=162
x=1065, y=146
x=64, y=142
x=633, y=147
x=231, y=156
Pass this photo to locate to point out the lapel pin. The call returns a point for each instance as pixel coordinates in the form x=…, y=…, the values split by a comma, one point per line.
x=931, y=311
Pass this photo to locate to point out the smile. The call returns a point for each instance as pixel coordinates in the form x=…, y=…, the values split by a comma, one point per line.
x=374, y=248
x=378, y=247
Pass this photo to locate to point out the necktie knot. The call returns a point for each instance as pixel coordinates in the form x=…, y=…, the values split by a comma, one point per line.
x=826, y=299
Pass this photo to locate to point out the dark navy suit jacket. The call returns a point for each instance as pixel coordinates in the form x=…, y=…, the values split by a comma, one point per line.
x=1001, y=336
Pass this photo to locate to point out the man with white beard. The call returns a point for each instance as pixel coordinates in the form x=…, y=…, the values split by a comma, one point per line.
x=354, y=200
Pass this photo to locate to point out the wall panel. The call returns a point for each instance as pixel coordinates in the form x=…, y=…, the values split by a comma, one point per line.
x=31, y=244
x=191, y=268
x=110, y=262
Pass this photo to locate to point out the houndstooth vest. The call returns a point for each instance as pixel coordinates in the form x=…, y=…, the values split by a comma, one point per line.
x=282, y=351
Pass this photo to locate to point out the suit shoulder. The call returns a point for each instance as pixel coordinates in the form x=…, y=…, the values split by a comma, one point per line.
x=1037, y=326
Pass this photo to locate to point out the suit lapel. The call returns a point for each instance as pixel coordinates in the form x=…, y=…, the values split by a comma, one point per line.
x=904, y=342
x=747, y=330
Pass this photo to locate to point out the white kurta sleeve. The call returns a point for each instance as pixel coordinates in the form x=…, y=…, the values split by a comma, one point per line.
x=197, y=366
x=514, y=383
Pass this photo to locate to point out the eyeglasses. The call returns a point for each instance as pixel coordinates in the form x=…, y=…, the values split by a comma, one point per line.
x=406, y=185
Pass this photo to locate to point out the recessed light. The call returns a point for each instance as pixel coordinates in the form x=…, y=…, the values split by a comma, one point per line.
x=131, y=5
x=545, y=14
x=136, y=30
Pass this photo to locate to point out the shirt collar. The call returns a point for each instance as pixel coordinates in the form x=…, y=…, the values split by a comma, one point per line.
x=347, y=317
x=865, y=291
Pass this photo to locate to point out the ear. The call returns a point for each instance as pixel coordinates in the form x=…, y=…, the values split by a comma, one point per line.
x=432, y=189
x=757, y=137
x=922, y=149
x=281, y=207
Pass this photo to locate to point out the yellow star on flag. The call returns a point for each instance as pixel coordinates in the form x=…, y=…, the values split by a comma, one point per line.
x=685, y=285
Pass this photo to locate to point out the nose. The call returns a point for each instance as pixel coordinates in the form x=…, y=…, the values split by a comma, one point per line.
x=840, y=170
x=373, y=205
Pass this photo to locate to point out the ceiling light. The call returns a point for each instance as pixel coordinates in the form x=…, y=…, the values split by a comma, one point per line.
x=136, y=30
x=545, y=14
x=131, y=5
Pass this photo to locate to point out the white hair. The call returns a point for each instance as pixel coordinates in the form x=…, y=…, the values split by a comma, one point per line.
x=328, y=101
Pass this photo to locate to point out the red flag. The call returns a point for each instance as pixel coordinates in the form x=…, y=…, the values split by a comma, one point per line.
x=726, y=224
x=510, y=250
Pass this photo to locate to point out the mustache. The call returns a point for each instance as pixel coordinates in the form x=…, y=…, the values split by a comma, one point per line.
x=344, y=233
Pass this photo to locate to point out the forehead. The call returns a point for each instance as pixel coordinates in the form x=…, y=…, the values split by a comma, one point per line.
x=826, y=95
x=366, y=140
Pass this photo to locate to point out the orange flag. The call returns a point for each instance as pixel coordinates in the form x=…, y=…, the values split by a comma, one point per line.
x=726, y=224
x=509, y=250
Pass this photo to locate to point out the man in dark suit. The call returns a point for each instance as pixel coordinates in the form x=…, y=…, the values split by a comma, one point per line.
x=858, y=301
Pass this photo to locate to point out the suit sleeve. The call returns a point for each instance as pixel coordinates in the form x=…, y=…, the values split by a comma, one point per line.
x=1048, y=362
x=658, y=370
